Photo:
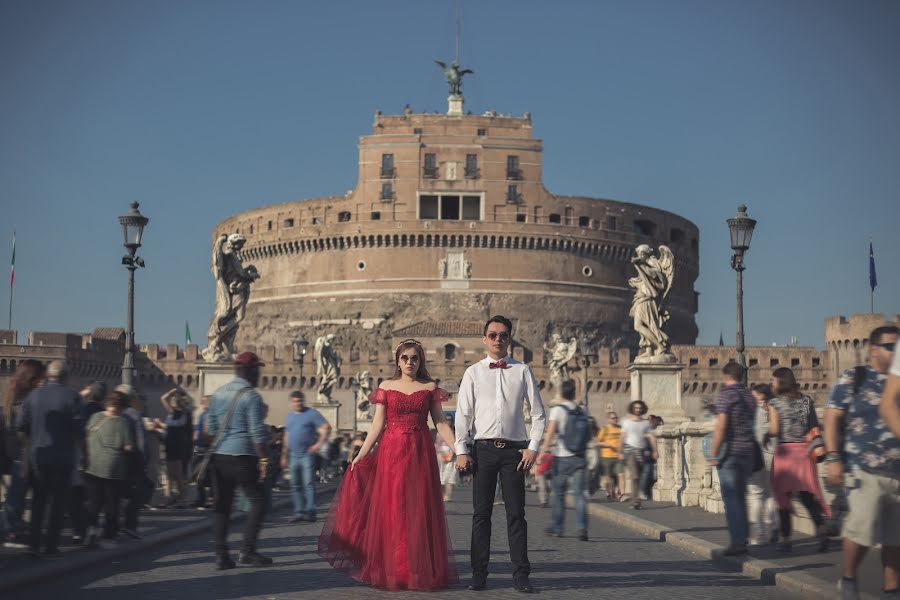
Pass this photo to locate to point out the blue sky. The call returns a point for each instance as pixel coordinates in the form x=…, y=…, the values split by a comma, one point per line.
x=201, y=109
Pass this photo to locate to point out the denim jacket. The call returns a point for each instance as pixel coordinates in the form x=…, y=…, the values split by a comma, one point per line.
x=246, y=428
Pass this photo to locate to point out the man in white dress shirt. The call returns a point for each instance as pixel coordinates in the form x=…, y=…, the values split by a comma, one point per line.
x=490, y=411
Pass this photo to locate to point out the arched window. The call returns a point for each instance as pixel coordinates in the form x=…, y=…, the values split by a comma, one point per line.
x=450, y=352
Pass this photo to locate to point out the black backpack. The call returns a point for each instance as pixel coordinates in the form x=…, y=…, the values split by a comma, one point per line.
x=575, y=437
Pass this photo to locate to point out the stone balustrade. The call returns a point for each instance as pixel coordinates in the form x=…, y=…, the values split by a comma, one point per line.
x=685, y=477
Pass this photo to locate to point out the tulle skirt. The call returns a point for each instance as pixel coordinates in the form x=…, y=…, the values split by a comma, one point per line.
x=386, y=525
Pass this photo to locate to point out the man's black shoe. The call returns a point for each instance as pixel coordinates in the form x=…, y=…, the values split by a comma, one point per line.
x=223, y=563
x=254, y=559
x=479, y=582
x=296, y=519
x=523, y=585
x=582, y=535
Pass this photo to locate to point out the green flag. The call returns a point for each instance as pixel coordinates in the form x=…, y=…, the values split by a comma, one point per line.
x=187, y=335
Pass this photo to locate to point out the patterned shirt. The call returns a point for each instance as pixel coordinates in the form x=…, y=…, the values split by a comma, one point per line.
x=868, y=443
x=736, y=402
x=795, y=418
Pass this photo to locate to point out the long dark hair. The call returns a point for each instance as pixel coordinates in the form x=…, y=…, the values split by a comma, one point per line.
x=786, y=384
x=422, y=373
x=28, y=375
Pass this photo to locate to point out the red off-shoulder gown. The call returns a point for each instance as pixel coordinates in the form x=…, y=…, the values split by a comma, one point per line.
x=386, y=525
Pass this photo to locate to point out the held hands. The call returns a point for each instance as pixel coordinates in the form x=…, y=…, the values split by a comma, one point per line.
x=463, y=462
x=528, y=458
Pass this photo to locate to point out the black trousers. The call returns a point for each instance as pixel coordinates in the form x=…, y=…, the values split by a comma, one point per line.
x=816, y=513
x=50, y=485
x=77, y=510
x=491, y=462
x=228, y=473
x=104, y=495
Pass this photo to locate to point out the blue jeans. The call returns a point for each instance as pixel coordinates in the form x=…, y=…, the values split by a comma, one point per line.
x=568, y=470
x=303, y=484
x=14, y=504
x=734, y=472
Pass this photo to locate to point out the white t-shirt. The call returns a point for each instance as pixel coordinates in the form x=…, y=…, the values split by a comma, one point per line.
x=559, y=415
x=634, y=433
x=895, y=366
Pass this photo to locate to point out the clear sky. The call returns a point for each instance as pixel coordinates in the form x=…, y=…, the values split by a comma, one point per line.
x=201, y=109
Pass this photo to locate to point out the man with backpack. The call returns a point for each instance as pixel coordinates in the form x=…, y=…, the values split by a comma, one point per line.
x=867, y=464
x=570, y=428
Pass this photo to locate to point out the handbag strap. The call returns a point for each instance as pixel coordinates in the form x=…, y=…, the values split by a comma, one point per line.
x=218, y=436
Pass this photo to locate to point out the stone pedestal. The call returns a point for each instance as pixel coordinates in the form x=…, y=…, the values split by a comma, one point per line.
x=659, y=385
x=454, y=105
x=330, y=412
x=213, y=376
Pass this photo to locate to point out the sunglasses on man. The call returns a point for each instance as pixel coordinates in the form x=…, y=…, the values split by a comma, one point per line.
x=493, y=335
x=889, y=346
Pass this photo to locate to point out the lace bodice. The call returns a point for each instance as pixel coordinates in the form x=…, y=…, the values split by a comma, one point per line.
x=407, y=412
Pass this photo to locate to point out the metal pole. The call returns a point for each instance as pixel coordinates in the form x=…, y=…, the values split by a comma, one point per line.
x=128, y=364
x=739, y=268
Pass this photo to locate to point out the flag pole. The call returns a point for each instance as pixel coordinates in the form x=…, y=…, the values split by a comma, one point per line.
x=12, y=280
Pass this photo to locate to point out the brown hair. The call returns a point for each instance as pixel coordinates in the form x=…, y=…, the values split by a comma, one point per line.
x=786, y=384
x=117, y=399
x=734, y=371
x=28, y=375
x=422, y=373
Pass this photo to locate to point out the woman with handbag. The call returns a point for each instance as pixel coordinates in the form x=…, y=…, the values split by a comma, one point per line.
x=792, y=419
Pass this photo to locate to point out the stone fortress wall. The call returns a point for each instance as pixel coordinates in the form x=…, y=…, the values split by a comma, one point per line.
x=450, y=220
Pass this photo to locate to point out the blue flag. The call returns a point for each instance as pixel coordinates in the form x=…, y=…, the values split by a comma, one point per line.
x=873, y=280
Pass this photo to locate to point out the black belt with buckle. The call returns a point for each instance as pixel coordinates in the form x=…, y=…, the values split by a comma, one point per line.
x=501, y=443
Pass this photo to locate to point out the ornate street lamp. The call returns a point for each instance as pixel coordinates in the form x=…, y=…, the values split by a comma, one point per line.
x=133, y=223
x=301, y=345
x=740, y=229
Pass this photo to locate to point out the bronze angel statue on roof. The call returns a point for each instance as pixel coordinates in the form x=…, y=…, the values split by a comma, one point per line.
x=651, y=286
x=453, y=74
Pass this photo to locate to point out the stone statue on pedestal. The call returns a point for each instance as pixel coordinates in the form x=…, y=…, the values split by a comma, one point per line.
x=328, y=367
x=560, y=354
x=362, y=396
x=233, y=281
x=651, y=286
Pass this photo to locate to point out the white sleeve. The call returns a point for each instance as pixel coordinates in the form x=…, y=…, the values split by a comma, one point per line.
x=538, y=419
x=465, y=411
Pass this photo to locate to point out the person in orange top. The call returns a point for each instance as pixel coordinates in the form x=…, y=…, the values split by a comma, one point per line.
x=610, y=465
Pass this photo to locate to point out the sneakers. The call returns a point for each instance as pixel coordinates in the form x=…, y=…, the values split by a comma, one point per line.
x=223, y=563
x=582, y=535
x=848, y=588
x=15, y=540
x=254, y=559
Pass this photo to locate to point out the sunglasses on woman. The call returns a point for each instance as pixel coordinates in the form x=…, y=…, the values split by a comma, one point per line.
x=409, y=359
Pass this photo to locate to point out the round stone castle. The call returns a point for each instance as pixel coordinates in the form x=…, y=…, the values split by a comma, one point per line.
x=450, y=220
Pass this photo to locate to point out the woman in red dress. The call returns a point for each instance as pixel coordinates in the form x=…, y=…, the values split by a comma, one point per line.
x=386, y=525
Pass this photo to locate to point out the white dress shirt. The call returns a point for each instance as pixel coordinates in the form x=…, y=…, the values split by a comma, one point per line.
x=490, y=404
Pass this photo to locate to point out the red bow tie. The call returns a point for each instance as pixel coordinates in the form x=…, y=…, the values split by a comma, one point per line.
x=498, y=365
